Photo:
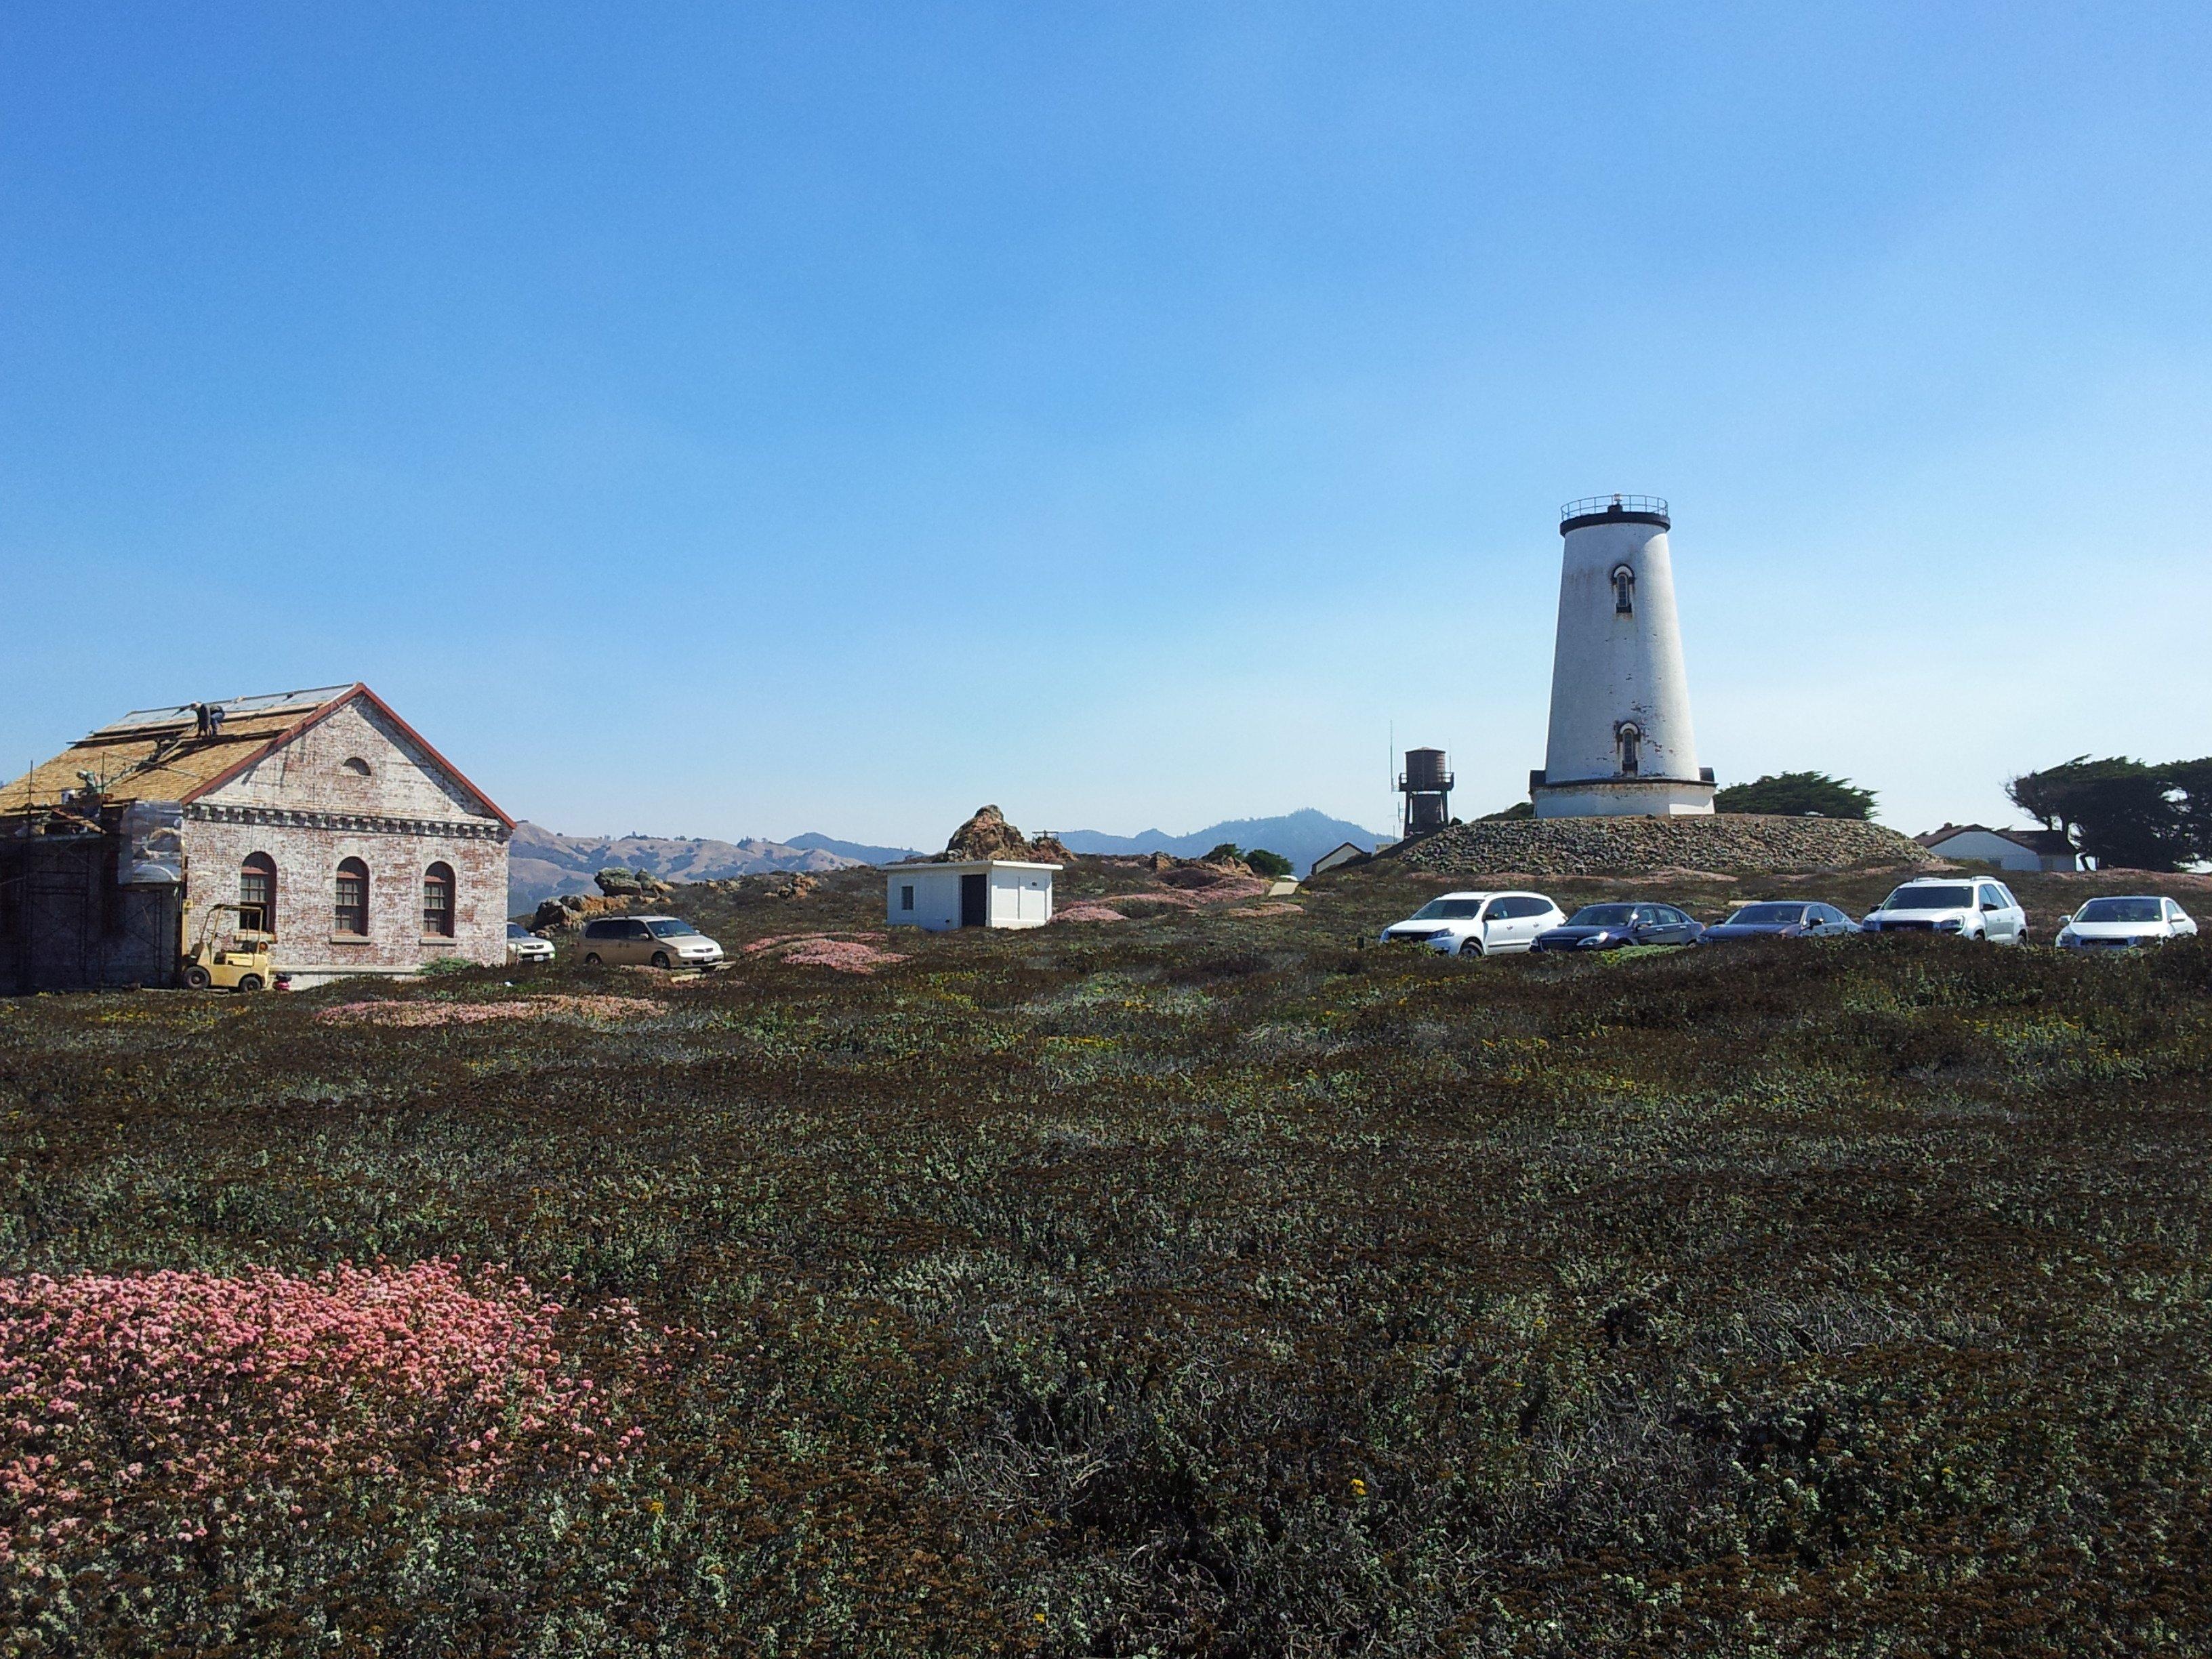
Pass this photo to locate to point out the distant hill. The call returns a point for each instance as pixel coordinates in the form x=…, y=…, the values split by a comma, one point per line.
x=1301, y=837
x=859, y=851
x=541, y=862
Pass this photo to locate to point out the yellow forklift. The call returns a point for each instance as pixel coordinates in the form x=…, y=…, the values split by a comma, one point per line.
x=242, y=965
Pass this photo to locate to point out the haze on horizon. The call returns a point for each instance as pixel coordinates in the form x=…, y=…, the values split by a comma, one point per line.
x=719, y=423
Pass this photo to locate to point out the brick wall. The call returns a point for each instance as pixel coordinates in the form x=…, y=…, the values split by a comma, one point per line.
x=353, y=786
x=306, y=861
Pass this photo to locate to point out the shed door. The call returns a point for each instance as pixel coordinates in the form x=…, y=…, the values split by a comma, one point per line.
x=975, y=901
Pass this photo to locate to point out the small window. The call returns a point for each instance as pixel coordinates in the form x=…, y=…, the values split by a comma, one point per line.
x=1629, y=737
x=1623, y=591
x=356, y=765
x=352, y=913
x=599, y=930
x=256, y=892
x=438, y=900
x=906, y=897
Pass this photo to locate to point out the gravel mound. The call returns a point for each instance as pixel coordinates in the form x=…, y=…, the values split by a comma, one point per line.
x=1738, y=843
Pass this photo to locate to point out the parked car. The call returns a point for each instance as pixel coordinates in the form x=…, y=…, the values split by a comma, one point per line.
x=1777, y=918
x=1609, y=927
x=661, y=941
x=523, y=946
x=1977, y=907
x=2123, y=924
x=1477, y=923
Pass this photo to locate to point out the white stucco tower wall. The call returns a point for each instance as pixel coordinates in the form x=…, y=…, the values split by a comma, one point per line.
x=1620, y=742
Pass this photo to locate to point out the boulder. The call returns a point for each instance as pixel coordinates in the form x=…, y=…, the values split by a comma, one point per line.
x=565, y=912
x=617, y=883
x=989, y=835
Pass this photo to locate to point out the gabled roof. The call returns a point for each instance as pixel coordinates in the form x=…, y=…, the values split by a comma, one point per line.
x=2046, y=843
x=159, y=754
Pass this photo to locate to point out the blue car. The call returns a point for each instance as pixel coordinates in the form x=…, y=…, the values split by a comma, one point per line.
x=1774, y=920
x=1610, y=926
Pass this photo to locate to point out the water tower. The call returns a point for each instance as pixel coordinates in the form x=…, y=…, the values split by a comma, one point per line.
x=1426, y=785
x=1620, y=742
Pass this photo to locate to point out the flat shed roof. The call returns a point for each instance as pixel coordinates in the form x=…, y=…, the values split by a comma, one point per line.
x=971, y=864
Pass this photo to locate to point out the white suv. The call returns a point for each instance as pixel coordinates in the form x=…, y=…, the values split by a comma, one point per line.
x=1477, y=923
x=1972, y=907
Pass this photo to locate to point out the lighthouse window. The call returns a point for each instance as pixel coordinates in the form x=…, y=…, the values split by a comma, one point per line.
x=1623, y=590
x=1632, y=745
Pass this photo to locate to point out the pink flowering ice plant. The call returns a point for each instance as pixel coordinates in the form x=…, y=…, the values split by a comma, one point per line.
x=191, y=1395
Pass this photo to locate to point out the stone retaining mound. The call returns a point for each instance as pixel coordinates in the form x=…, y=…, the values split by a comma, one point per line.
x=1724, y=843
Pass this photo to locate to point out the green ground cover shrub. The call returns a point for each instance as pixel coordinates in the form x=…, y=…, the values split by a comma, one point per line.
x=1209, y=1284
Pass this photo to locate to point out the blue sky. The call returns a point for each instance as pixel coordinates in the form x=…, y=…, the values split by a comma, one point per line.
x=721, y=420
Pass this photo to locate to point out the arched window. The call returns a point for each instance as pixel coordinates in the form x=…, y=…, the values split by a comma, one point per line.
x=438, y=900
x=1629, y=737
x=256, y=892
x=357, y=766
x=351, y=913
x=1623, y=590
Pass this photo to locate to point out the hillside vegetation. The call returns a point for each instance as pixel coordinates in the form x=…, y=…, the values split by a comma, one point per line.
x=543, y=863
x=1208, y=1282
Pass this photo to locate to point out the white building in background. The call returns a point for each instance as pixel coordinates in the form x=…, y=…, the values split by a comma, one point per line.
x=1620, y=743
x=969, y=893
x=2008, y=850
x=1343, y=853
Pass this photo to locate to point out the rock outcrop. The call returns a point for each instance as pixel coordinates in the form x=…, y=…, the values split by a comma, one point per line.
x=617, y=883
x=989, y=835
x=1725, y=843
x=565, y=912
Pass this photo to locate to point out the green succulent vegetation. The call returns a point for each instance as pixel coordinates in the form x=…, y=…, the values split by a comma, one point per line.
x=1212, y=1283
x=1797, y=795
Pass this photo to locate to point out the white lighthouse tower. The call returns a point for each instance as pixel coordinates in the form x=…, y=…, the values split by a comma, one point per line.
x=1621, y=742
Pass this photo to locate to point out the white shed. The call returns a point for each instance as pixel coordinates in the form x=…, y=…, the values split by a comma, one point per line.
x=969, y=893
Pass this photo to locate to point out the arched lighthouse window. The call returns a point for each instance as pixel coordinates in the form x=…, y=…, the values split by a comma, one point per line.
x=1623, y=590
x=1629, y=737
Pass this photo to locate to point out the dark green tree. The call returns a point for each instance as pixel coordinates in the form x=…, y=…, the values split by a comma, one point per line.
x=1797, y=795
x=1227, y=852
x=1265, y=863
x=2124, y=814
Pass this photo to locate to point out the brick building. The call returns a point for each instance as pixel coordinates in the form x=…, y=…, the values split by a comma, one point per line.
x=366, y=851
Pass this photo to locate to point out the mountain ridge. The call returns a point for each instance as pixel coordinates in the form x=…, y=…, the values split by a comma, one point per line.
x=1301, y=837
x=542, y=863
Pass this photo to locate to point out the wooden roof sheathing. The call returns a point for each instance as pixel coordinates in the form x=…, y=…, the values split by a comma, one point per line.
x=156, y=754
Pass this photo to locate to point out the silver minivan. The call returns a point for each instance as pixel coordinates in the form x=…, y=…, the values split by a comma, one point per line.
x=648, y=941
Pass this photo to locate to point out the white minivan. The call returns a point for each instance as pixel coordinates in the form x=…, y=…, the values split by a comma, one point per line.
x=1972, y=907
x=1477, y=923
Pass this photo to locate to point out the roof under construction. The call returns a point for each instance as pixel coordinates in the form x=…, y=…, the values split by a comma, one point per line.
x=173, y=754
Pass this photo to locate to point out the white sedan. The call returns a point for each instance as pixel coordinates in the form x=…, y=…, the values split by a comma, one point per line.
x=2122, y=924
x=523, y=946
x=1477, y=923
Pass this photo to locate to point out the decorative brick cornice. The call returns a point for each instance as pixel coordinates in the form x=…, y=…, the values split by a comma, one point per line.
x=355, y=823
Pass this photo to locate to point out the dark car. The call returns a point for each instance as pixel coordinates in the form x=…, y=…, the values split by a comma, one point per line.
x=1609, y=927
x=1776, y=920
